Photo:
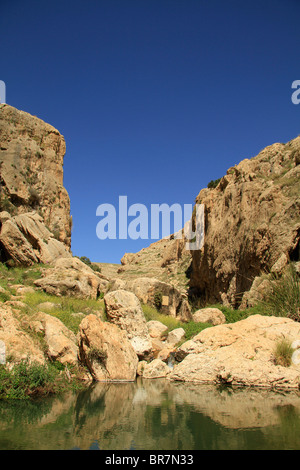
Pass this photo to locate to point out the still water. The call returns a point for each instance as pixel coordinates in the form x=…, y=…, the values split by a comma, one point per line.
x=154, y=415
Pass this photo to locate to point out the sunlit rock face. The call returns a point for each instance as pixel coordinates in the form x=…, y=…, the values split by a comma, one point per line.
x=31, y=171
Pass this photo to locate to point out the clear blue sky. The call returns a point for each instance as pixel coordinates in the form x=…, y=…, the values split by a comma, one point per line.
x=155, y=98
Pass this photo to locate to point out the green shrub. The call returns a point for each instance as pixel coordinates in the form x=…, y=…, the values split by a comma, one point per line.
x=213, y=183
x=26, y=379
x=283, y=297
x=283, y=353
x=158, y=300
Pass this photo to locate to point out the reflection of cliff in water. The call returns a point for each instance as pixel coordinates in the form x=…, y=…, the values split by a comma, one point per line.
x=154, y=414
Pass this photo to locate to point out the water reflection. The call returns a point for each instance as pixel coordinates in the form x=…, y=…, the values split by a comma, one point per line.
x=156, y=415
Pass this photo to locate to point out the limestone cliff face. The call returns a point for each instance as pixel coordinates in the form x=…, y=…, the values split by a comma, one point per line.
x=252, y=218
x=31, y=171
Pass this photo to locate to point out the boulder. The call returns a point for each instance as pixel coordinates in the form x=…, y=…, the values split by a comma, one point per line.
x=240, y=354
x=154, y=369
x=106, y=350
x=124, y=310
x=61, y=342
x=209, y=315
x=156, y=329
x=175, y=336
x=19, y=344
x=71, y=277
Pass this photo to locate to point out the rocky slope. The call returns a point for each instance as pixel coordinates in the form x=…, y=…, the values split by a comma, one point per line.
x=31, y=171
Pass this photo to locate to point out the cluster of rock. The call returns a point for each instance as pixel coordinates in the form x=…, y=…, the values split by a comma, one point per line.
x=126, y=345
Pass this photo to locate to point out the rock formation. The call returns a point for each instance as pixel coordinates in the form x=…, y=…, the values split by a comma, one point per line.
x=239, y=354
x=25, y=240
x=124, y=310
x=31, y=172
x=71, y=277
x=252, y=219
x=106, y=351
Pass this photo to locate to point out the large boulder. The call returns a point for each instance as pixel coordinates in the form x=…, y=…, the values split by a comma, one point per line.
x=209, y=315
x=61, y=343
x=156, y=329
x=107, y=352
x=19, y=344
x=163, y=296
x=240, y=354
x=124, y=310
x=71, y=277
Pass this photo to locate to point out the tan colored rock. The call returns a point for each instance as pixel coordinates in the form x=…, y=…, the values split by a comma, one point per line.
x=31, y=156
x=26, y=240
x=156, y=328
x=252, y=218
x=155, y=369
x=107, y=352
x=71, y=277
x=123, y=308
x=209, y=315
x=19, y=345
x=240, y=353
x=61, y=342
x=175, y=336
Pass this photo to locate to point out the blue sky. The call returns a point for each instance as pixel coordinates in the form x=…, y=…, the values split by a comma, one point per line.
x=155, y=98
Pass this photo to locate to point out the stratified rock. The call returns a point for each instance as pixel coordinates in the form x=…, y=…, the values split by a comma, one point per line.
x=106, y=351
x=240, y=354
x=71, y=277
x=124, y=310
x=31, y=160
x=209, y=315
x=252, y=219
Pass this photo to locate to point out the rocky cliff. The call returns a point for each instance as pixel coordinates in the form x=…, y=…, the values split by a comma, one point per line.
x=31, y=171
x=252, y=225
x=252, y=219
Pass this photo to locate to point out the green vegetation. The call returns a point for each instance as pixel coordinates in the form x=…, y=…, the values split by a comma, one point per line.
x=283, y=353
x=213, y=183
x=158, y=300
x=283, y=297
x=26, y=380
x=97, y=355
x=89, y=263
x=65, y=307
